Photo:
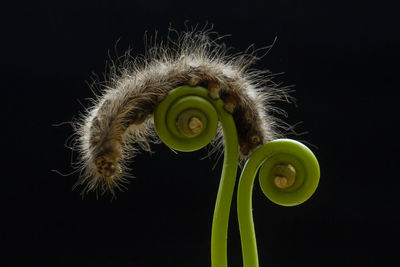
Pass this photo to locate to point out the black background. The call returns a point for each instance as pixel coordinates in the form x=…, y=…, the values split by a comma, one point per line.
x=342, y=57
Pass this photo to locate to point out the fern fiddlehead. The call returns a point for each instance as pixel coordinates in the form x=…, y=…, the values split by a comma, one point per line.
x=191, y=106
x=289, y=175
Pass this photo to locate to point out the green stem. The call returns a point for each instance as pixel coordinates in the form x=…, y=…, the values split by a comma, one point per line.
x=244, y=208
x=225, y=191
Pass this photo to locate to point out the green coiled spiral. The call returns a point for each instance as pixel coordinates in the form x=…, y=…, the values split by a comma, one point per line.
x=173, y=116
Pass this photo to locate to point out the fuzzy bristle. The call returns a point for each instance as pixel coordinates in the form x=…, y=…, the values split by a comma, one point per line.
x=121, y=117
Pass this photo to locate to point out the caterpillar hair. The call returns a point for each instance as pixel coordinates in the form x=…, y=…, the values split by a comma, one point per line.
x=120, y=120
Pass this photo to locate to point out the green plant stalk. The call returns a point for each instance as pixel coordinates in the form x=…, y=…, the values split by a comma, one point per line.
x=244, y=208
x=219, y=233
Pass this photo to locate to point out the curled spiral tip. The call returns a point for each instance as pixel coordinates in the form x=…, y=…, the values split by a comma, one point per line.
x=187, y=119
x=290, y=174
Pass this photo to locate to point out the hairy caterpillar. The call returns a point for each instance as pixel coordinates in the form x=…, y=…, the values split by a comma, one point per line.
x=121, y=116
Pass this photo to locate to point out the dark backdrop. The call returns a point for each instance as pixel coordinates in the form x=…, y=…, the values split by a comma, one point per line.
x=341, y=57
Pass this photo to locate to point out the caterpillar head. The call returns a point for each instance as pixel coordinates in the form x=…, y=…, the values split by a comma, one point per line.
x=107, y=166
